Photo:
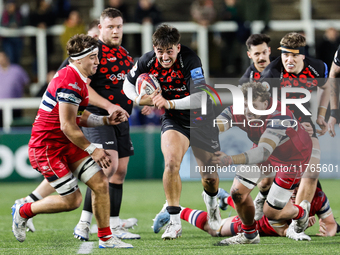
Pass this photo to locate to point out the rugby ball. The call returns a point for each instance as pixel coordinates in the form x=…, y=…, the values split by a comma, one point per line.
x=149, y=80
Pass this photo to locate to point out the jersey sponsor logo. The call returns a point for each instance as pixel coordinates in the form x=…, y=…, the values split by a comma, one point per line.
x=72, y=98
x=313, y=69
x=110, y=142
x=119, y=76
x=197, y=73
x=112, y=59
x=172, y=88
x=150, y=62
x=75, y=86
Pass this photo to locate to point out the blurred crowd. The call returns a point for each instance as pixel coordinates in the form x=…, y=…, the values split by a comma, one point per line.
x=227, y=50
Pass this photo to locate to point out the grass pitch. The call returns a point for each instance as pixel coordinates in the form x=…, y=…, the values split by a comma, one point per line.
x=143, y=200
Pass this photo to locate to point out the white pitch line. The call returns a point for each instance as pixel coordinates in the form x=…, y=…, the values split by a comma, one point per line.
x=85, y=248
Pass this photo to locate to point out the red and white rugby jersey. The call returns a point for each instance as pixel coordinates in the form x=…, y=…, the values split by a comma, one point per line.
x=67, y=86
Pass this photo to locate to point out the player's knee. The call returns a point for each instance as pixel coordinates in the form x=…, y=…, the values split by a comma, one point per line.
x=210, y=181
x=172, y=164
x=74, y=202
x=119, y=176
x=237, y=197
x=111, y=170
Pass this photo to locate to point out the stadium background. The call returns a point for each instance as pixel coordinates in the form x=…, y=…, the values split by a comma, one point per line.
x=148, y=161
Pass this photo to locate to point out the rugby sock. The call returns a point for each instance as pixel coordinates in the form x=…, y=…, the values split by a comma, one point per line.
x=104, y=234
x=25, y=211
x=301, y=213
x=86, y=216
x=250, y=231
x=264, y=193
x=174, y=212
x=34, y=196
x=86, y=213
x=212, y=198
x=114, y=222
x=88, y=201
x=230, y=202
x=116, y=194
x=197, y=218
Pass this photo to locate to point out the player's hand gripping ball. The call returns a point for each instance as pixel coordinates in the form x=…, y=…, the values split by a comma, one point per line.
x=149, y=80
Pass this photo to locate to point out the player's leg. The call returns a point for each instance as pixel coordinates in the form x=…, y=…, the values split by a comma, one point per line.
x=43, y=190
x=95, y=135
x=260, y=198
x=310, y=178
x=116, y=194
x=279, y=208
x=57, y=172
x=240, y=192
x=210, y=182
x=174, y=145
x=98, y=183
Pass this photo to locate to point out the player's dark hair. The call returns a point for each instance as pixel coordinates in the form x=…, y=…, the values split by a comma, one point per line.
x=293, y=40
x=259, y=90
x=79, y=42
x=111, y=13
x=257, y=39
x=94, y=23
x=165, y=36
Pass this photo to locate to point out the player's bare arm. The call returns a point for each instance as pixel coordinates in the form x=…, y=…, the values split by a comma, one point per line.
x=267, y=144
x=324, y=93
x=328, y=226
x=68, y=124
x=334, y=97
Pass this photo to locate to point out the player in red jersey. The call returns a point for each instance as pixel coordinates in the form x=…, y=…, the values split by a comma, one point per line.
x=294, y=69
x=59, y=150
x=231, y=226
x=179, y=72
x=281, y=148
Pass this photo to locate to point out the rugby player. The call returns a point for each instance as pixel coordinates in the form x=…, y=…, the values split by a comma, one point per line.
x=179, y=72
x=259, y=52
x=294, y=69
x=231, y=226
x=280, y=143
x=59, y=150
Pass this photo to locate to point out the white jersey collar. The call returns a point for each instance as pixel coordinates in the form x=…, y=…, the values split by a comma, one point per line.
x=81, y=76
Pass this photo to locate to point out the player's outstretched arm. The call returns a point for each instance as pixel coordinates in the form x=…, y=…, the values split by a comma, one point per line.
x=99, y=101
x=267, y=144
x=88, y=119
x=328, y=226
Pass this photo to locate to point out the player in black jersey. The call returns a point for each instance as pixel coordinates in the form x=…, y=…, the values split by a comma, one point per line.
x=106, y=91
x=334, y=73
x=179, y=71
x=259, y=52
x=294, y=69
